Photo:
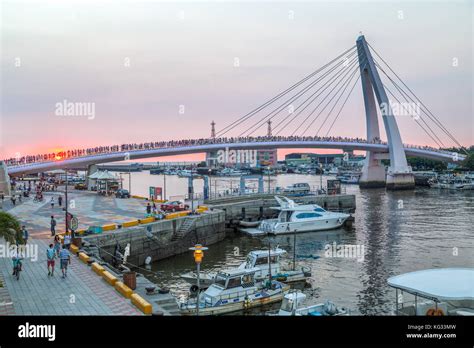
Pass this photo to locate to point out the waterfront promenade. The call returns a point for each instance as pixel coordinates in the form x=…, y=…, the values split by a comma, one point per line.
x=82, y=292
x=90, y=209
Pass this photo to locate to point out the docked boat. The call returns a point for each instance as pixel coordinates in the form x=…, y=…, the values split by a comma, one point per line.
x=293, y=304
x=436, y=292
x=231, y=172
x=349, y=178
x=294, y=218
x=332, y=171
x=257, y=259
x=234, y=290
x=452, y=183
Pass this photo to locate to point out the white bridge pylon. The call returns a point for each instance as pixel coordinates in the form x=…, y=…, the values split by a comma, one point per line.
x=399, y=174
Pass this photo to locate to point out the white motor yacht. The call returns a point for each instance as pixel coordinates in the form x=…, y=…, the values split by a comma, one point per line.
x=301, y=218
x=234, y=290
x=440, y=291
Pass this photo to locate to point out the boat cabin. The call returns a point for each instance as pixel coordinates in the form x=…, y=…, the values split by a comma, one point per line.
x=230, y=285
x=291, y=301
x=440, y=291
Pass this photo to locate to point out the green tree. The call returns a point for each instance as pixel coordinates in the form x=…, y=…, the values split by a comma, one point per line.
x=10, y=228
x=468, y=163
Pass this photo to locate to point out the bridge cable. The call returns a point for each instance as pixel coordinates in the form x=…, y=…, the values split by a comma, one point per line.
x=342, y=106
x=299, y=112
x=402, y=93
x=326, y=86
x=435, y=139
x=349, y=70
x=337, y=101
x=432, y=117
x=339, y=86
x=254, y=111
x=292, y=99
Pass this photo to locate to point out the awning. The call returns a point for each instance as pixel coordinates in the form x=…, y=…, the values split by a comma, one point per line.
x=444, y=284
x=104, y=175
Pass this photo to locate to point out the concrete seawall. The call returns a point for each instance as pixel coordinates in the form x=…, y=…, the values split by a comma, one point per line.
x=162, y=239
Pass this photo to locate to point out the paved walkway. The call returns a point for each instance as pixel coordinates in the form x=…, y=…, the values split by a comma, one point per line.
x=81, y=293
x=90, y=208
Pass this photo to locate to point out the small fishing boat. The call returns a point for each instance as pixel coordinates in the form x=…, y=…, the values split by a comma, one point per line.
x=292, y=304
x=234, y=290
x=257, y=259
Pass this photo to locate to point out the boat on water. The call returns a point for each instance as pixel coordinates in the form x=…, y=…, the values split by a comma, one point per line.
x=257, y=259
x=440, y=291
x=234, y=290
x=332, y=171
x=452, y=183
x=231, y=172
x=349, y=178
x=293, y=304
x=295, y=218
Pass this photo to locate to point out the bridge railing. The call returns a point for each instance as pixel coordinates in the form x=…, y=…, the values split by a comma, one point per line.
x=119, y=150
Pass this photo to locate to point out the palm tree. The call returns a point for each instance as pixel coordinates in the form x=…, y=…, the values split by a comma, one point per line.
x=10, y=228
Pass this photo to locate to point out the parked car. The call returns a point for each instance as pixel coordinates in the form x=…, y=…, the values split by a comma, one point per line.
x=121, y=193
x=174, y=206
x=80, y=186
x=299, y=188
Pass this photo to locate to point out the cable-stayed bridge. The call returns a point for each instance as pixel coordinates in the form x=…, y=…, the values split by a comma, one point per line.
x=302, y=116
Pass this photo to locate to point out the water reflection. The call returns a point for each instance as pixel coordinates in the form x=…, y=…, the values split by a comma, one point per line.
x=401, y=232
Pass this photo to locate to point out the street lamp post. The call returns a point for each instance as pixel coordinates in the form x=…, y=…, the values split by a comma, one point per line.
x=320, y=177
x=198, y=255
x=66, y=203
x=268, y=169
x=191, y=189
x=210, y=182
x=164, y=185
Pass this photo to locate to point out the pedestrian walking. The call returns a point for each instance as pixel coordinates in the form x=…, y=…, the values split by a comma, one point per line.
x=24, y=234
x=148, y=208
x=53, y=226
x=60, y=201
x=13, y=199
x=67, y=240
x=57, y=245
x=65, y=260
x=52, y=202
x=50, y=256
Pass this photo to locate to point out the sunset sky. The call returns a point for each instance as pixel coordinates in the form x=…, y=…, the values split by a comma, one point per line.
x=183, y=54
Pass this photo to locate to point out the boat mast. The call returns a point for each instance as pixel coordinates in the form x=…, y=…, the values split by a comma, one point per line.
x=294, y=250
x=269, y=261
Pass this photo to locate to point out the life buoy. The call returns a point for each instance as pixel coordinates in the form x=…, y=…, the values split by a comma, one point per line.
x=434, y=312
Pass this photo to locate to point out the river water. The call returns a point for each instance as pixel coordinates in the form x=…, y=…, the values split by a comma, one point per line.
x=399, y=231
